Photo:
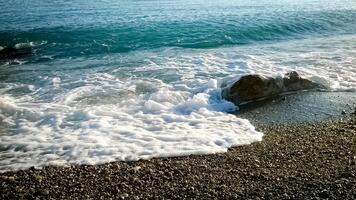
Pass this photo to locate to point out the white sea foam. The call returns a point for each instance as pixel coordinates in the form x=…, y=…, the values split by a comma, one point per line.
x=23, y=45
x=164, y=103
x=167, y=122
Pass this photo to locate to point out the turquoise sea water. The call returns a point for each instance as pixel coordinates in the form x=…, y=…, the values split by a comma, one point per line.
x=135, y=79
x=75, y=28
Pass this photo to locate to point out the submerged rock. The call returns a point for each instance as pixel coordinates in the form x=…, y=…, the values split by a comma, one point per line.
x=254, y=87
x=14, y=52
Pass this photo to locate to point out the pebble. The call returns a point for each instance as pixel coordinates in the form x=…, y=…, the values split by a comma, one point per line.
x=322, y=156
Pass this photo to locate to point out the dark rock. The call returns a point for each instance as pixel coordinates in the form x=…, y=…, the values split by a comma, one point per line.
x=324, y=194
x=354, y=113
x=13, y=52
x=254, y=87
x=44, y=192
x=292, y=82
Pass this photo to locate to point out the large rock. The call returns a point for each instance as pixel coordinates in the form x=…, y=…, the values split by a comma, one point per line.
x=254, y=87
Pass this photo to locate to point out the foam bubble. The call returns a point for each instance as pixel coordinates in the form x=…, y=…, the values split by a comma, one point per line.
x=56, y=81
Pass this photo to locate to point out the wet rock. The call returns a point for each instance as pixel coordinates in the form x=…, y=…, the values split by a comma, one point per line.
x=324, y=194
x=124, y=196
x=292, y=82
x=254, y=87
x=44, y=192
x=354, y=112
x=13, y=52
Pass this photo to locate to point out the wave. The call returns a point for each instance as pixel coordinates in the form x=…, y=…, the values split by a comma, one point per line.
x=211, y=32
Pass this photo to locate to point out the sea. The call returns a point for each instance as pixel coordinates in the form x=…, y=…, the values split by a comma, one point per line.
x=124, y=80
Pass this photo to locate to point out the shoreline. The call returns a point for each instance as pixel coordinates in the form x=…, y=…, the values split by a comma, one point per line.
x=300, y=107
x=304, y=160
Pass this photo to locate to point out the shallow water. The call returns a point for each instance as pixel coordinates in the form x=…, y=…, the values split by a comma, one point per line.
x=128, y=80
